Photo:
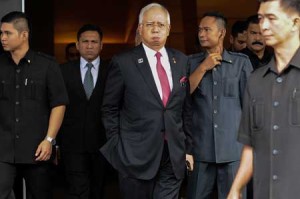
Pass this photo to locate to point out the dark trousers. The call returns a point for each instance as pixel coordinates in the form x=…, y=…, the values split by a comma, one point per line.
x=164, y=186
x=37, y=177
x=85, y=175
x=205, y=175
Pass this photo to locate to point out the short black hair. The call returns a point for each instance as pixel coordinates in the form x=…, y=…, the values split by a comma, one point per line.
x=238, y=27
x=89, y=27
x=222, y=21
x=289, y=4
x=252, y=19
x=19, y=20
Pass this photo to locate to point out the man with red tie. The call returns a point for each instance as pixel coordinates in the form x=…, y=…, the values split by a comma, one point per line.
x=146, y=112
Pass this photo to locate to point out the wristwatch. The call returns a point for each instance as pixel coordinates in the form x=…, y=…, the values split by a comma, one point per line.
x=51, y=140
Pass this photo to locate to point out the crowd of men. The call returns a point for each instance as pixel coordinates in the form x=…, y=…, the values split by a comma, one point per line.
x=217, y=117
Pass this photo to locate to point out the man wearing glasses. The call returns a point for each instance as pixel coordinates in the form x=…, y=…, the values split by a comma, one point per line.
x=146, y=113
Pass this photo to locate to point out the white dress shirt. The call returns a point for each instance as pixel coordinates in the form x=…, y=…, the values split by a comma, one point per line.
x=165, y=63
x=94, y=70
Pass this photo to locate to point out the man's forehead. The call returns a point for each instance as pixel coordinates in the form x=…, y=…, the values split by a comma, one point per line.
x=241, y=36
x=253, y=26
x=154, y=13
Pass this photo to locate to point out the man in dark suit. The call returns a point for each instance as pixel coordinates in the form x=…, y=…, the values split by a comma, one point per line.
x=82, y=132
x=146, y=112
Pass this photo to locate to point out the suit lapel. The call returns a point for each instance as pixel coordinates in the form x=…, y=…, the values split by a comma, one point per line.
x=145, y=70
x=176, y=73
x=101, y=78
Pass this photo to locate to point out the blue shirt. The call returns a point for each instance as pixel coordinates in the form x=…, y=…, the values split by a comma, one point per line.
x=217, y=107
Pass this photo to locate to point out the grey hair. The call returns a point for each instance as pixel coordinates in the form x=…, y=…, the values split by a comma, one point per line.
x=148, y=7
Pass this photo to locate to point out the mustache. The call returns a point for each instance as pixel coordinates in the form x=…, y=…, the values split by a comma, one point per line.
x=257, y=42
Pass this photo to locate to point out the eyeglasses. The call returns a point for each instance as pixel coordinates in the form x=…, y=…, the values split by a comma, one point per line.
x=150, y=25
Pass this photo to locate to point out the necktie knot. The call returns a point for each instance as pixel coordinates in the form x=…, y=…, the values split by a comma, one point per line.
x=89, y=65
x=158, y=55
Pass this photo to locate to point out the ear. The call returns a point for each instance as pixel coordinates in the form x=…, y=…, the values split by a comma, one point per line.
x=25, y=35
x=223, y=33
x=77, y=45
x=231, y=39
x=296, y=24
x=168, y=29
x=140, y=28
x=101, y=45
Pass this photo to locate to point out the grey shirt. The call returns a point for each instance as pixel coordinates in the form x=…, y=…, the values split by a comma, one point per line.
x=271, y=125
x=217, y=107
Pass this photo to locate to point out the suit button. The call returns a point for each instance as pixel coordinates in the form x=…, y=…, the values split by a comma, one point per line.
x=17, y=137
x=279, y=80
x=275, y=152
x=216, y=126
x=275, y=127
x=17, y=119
x=275, y=177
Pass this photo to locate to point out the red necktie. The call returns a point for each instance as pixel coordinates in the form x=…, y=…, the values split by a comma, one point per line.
x=163, y=78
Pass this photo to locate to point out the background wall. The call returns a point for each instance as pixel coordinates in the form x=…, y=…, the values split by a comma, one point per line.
x=55, y=22
x=10, y=5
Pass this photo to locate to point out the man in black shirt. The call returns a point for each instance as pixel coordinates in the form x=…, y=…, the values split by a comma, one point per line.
x=32, y=105
x=270, y=125
x=256, y=49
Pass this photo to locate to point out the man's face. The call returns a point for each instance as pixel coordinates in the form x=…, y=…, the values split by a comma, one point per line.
x=154, y=29
x=239, y=42
x=255, y=40
x=277, y=24
x=89, y=45
x=209, y=34
x=11, y=39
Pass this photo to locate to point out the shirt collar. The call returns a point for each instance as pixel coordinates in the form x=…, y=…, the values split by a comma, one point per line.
x=151, y=53
x=95, y=62
x=295, y=62
x=28, y=57
x=226, y=57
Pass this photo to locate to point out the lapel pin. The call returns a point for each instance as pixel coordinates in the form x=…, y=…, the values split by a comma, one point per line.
x=174, y=61
x=140, y=60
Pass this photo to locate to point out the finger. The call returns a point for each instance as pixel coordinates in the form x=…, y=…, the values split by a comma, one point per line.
x=42, y=156
x=38, y=151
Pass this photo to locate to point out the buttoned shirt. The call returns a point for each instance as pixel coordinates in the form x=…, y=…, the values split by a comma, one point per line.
x=255, y=60
x=165, y=63
x=271, y=125
x=28, y=92
x=217, y=107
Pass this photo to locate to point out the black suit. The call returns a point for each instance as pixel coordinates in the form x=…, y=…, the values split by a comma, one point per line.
x=82, y=133
x=136, y=119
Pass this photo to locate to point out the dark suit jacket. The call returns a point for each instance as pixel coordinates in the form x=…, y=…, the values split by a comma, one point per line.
x=82, y=129
x=134, y=116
